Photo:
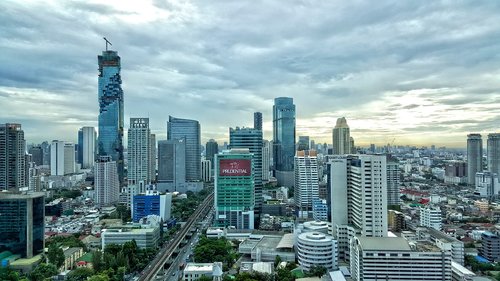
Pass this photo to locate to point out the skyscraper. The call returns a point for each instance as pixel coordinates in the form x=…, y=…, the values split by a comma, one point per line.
x=257, y=121
x=62, y=158
x=189, y=130
x=107, y=185
x=110, y=95
x=306, y=182
x=474, y=157
x=358, y=198
x=211, y=148
x=12, y=162
x=341, y=138
x=494, y=153
x=86, y=147
x=234, y=198
x=37, y=154
x=266, y=159
x=22, y=223
x=252, y=139
x=139, y=152
x=152, y=157
x=284, y=140
x=171, y=164
x=303, y=143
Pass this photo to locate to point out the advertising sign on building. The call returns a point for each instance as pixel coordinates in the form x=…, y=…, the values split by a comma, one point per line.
x=235, y=167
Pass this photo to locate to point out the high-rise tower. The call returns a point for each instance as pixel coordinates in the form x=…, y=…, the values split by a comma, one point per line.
x=306, y=182
x=110, y=95
x=139, y=152
x=257, y=121
x=252, y=139
x=284, y=140
x=189, y=130
x=211, y=149
x=494, y=153
x=86, y=147
x=12, y=162
x=474, y=157
x=341, y=138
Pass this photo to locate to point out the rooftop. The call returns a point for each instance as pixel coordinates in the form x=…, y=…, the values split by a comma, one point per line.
x=384, y=244
x=286, y=241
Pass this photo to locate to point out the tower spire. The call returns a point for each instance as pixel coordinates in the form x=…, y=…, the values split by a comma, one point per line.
x=107, y=42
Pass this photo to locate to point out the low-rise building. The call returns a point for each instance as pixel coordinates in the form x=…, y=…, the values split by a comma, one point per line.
x=490, y=246
x=144, y=237
x=444, y=242
x=460, y=273
x=317, y=249
x=384, y=258
x=267, y=247
x=193, y=271
x=71, y=255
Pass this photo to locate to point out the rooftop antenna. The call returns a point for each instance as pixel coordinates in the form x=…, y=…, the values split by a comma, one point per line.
x=107, y=42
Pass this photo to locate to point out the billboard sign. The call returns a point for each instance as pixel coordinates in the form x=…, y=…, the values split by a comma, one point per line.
x=235, y=167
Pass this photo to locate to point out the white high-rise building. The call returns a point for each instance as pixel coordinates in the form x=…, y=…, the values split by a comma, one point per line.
x=62, y=158
x=139, y=151
x=358, y=198
x=88, y=147
x=341, y=138
x=431, y=217
x=487, y=185
x=306, y=181
x=106, y=183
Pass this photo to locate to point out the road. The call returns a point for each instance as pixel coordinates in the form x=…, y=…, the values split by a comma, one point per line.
x=168, y=249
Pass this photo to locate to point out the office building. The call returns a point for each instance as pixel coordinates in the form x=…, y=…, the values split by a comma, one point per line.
x=266, y=160
x=490, y=246
x=383, y=258
x=234, y=198
x=396, y=221
x=37, y=155
x=189, y=130
x=494, y=153
x=252, y=139
x=12, y=162
x=316, y=249
x=393, y=175
x=145, y=238
x=211, y=149
x=139, y=152
x=431, y=217
x=306, y=182
x=284, y=140
x=152, y=157
x=151, y=203
x=206, y=170
x=487, y=185
x=46, y=152
x=357, y=198
x=455, y=172
x=341, y=138
x=22, y=223
x=62, y=158
x=303, y=143
x=474, y=156
x=171, y=163
x=257, y=121
x=320, y=210
x=86, y=147
x=106, y=181
x=110, y=96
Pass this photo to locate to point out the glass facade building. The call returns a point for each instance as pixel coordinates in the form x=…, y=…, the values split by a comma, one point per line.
x=22, y=224
x=110, y=95
x=189, y=130
x=234, y=189
x=283, y=133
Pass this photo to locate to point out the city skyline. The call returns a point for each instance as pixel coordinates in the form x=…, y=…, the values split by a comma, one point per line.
x=404, y=73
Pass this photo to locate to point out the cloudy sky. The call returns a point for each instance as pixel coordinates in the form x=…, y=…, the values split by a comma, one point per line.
x=408, y=72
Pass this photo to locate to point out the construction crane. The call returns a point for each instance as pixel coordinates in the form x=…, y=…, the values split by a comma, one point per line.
x=107, y=42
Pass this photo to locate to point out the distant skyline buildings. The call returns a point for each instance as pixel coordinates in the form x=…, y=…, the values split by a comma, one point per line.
x=474, y=157
x=110, y=120
x=341, y=139
x=493, y=148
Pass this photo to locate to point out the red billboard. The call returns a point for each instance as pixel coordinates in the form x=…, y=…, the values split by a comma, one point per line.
x=235, y=167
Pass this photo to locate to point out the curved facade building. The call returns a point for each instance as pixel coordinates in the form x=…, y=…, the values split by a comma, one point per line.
x=316, y=249
x=474, y=156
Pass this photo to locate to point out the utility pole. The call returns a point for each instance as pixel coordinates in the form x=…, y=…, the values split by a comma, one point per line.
x=107, y=42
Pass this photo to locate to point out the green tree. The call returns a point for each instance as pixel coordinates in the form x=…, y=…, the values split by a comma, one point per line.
x=55, y=255
x=100, y=277
x=204, y=278
x=80, y=274
x=7, y=274
x=97, y=262
x=43, y=271
x=317, y=270
x=277, y=260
